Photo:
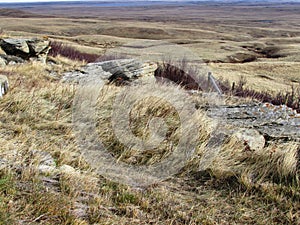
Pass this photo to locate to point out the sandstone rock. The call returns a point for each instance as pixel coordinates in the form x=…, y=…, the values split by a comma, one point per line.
x=114, y=70
x=67, y=169
x=80, y=210
x=46, y=163
x=45, y=169
x=15, y=47
x=273, y=122
x=251, y=138
x=4, y=85
x=10, y=59
x=26, y=48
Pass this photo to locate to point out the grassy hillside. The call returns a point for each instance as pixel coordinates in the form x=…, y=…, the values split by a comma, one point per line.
x=36, y=122
x=36, y=116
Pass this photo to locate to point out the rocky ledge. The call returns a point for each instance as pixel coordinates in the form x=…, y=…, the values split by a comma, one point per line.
x=18, y=50
x=119, y=71
x=273, y=122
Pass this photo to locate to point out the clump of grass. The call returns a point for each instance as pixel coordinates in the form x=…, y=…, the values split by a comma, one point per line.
x=141, y=113
x=275, y=163
x=59, y=48
x=181, y=73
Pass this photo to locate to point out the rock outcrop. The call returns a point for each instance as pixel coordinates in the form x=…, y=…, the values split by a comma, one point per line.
x=26, y=49
x=275, y=123
x=256, y=125
x=120, y=71
x=10, y=60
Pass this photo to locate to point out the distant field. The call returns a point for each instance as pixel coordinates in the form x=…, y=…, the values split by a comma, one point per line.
x=234, y=39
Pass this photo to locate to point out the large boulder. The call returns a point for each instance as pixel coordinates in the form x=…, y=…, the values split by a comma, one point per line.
x=121, y=70
x=26, y=48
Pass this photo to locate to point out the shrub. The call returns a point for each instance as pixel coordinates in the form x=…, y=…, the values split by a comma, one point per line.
x=180, y=73
x=290, y=98
x=188, y=77
x=59, y=48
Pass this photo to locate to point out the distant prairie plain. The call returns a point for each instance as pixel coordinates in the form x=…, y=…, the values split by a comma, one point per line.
x=255, y=39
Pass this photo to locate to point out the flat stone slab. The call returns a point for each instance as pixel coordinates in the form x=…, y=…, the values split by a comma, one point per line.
x=274, y=122
x=124, y=69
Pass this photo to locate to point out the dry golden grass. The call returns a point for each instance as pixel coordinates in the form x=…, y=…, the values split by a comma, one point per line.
x=270, y=76
x=36, y=114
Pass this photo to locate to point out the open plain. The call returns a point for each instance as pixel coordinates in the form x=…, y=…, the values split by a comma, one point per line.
x=257, y=41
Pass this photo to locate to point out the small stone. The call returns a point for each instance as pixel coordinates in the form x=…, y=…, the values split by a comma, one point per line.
x=251, y=138
x=3, y=164
x=46, y=163
x=67, y=169
x=44, y=169
x=4, y=85
x=80, y=210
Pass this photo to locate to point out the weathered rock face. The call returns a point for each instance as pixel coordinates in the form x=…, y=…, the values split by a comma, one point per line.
x=26, y=48
x=4, y=85
x=9, y=60
x=273, y=122
x=123, y=70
